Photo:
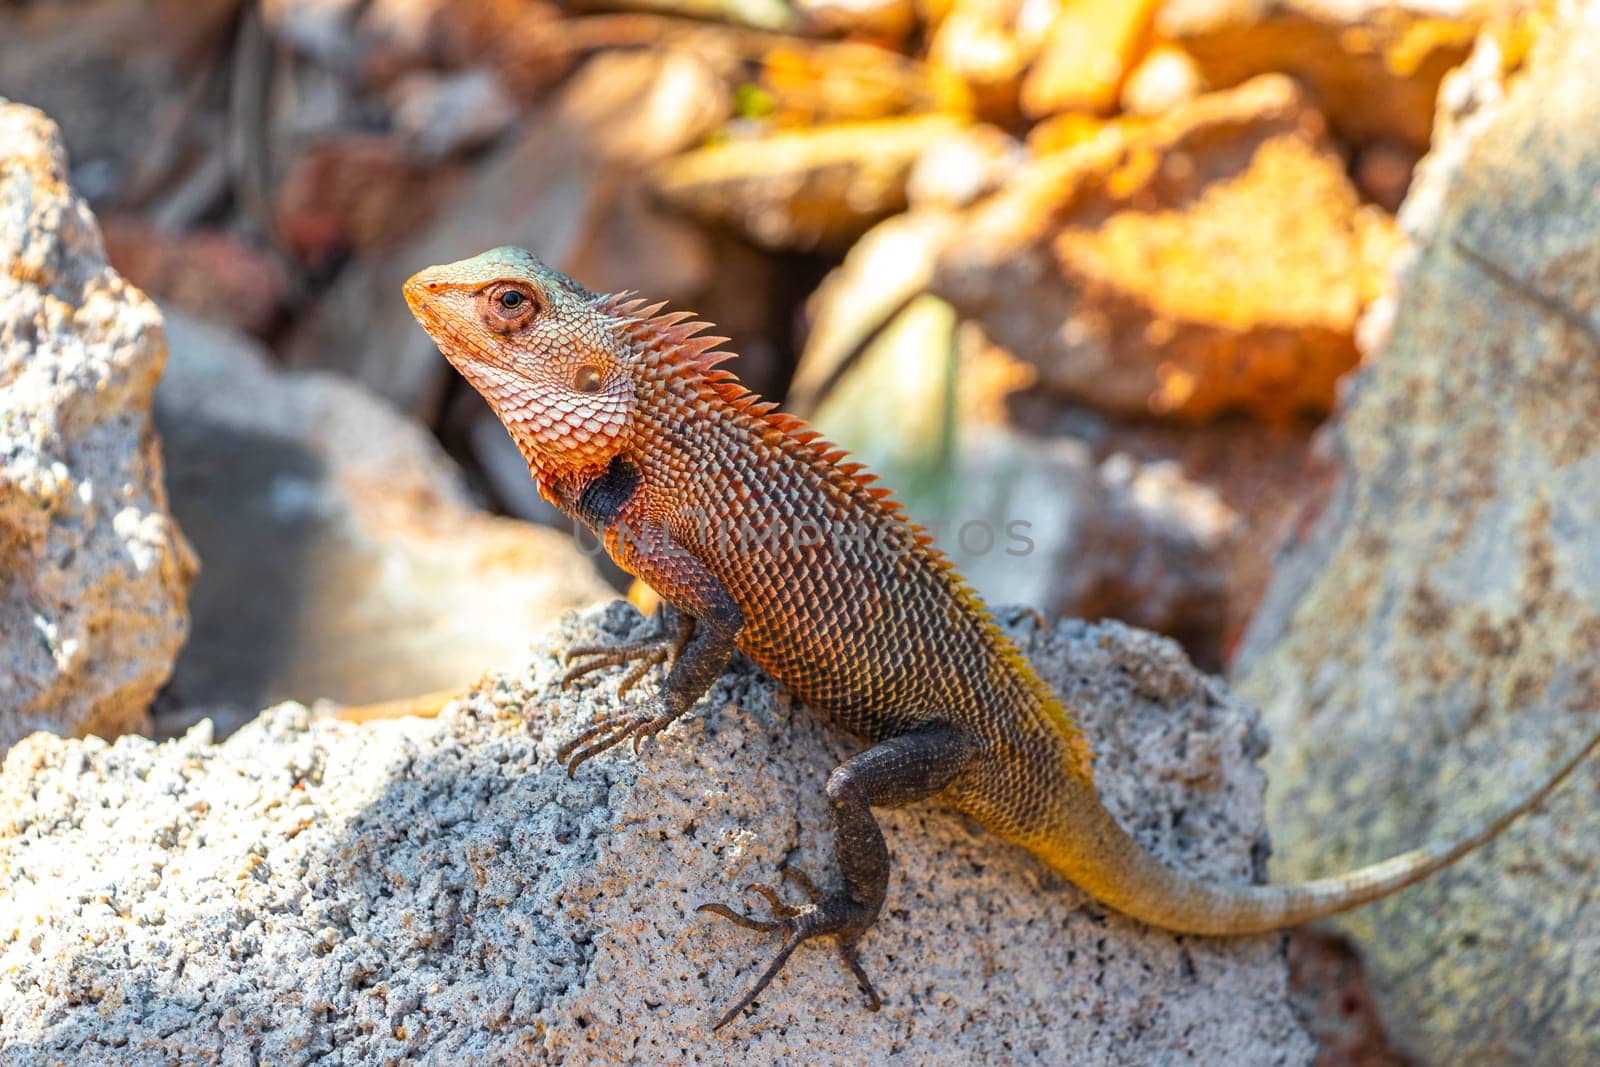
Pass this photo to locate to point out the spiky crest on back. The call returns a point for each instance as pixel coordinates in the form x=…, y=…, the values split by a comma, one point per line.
x=672, y=346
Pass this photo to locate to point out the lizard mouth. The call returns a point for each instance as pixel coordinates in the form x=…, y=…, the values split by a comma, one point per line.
x=459, y=349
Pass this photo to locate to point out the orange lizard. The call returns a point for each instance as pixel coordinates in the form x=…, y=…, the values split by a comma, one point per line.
x=764, y=538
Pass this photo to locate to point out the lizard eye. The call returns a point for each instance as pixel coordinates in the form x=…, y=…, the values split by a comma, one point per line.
x=511, y=304
x=586, y=379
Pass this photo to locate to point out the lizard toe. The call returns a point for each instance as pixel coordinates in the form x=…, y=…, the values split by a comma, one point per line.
x=638, y=656
x=606, y=735
x=831, y=915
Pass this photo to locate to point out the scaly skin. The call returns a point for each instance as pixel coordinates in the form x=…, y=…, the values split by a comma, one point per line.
x=763, y=538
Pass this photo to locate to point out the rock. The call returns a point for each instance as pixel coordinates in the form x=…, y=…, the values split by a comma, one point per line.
x=1144, y=543
x=378, y=44
x=206, y=272
x=1383, y=172
x=1165, y=78
x=1334, y=999
x=92, y=606
x=803, y=189
x=987, y=45
x=959, y=169
x=550, y=190
x=428, y=891
x=320, y=29
x=646, y=249
x=1372, y=66
x=822, y=83
x=1264, y=477
x=777, y=16
x=1215, y=259
x=1069, y=129
x=1088, y=52
x=343, y=555
x=1430, y=643
x=881, y=274
x=373, y=44
x=636, y=109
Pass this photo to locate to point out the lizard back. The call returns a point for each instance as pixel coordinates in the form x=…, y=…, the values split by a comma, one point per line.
x=846, y=602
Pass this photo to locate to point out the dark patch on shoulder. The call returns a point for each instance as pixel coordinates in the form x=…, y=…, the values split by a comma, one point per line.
x=607, y=494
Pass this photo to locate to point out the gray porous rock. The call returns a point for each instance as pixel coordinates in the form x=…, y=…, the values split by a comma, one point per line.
x=441, y=892
x=94, y=572
x=1429, y=644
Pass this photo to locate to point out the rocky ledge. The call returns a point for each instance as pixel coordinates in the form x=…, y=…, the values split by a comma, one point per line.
x=441, y=891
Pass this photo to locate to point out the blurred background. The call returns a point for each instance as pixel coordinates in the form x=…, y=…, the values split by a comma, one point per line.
x=1079, y=278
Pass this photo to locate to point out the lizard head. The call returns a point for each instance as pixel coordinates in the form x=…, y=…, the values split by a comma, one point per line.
x=534, y=343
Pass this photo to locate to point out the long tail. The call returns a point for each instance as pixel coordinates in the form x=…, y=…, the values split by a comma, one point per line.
x=1108, y=864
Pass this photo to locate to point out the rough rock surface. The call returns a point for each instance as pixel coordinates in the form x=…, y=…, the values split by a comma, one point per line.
x=1432, y=642
x=1216, y=258
x=442, y=892
x=343, y=556
x=93, y=570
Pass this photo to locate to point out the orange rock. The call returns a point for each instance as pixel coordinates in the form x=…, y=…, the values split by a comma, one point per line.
x=1061, y=132
x=803, y=189
x=1216, y=259
x=1091, y=47
x=816, y=82
x=1372, y=66
x=1165, y=78
x=987, y=45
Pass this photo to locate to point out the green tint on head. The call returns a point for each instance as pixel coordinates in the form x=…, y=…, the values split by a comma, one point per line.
x=509, y=261
x=506, y=263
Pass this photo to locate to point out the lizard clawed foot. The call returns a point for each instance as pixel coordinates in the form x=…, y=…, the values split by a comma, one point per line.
x=832, y=915
x=660, y=650
x=610, y=733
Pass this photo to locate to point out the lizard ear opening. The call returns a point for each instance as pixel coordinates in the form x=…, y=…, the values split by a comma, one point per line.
x=587, y=379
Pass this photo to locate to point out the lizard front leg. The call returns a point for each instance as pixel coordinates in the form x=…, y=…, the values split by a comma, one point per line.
x=894, y=772
x=710, y=619
x=673, y=630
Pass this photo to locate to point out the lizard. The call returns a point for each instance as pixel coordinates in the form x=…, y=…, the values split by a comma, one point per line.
x=762, y=537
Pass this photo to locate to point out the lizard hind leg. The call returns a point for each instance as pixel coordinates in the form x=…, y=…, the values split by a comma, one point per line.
x=896, y=771
x=822, y=917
